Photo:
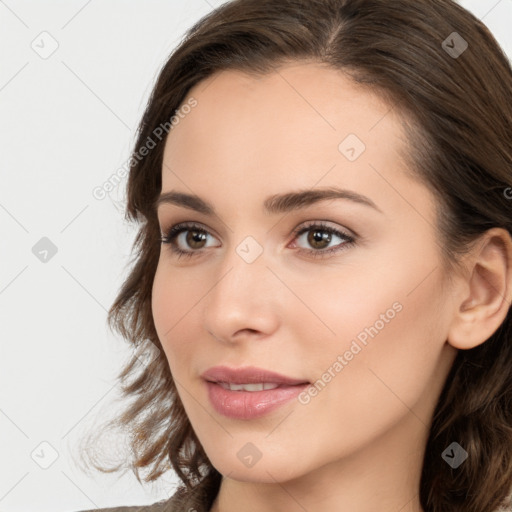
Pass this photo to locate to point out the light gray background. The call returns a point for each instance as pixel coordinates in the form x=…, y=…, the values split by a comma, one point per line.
x=67, y=123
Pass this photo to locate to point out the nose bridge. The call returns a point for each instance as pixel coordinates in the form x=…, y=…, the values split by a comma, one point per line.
x=242, y=297
x=243, y=273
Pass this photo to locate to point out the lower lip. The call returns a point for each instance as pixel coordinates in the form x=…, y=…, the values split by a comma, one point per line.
x=246, y=405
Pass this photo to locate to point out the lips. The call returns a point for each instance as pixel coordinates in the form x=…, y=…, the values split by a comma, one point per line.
x=228, y=396
x=249, y=375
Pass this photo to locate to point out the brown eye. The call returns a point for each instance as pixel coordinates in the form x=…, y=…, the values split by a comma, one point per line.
x=195, y=239
x=186, y=239
x=189, y=239
x=319, y=237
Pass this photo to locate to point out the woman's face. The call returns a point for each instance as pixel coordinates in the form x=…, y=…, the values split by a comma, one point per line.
x=366, y=320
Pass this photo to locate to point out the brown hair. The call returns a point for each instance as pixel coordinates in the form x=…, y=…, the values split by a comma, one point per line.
x=458, y=111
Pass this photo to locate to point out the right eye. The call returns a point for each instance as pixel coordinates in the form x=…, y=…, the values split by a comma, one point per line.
x=186, y=239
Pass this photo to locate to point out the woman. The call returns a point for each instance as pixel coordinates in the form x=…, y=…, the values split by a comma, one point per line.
x=324, y=263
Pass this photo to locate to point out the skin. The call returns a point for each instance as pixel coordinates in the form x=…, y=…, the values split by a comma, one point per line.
x=358, y=444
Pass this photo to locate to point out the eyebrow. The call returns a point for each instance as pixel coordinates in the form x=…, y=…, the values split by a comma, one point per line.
x=275, y=204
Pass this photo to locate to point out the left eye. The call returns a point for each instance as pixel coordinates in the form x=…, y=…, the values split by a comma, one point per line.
x=319, y=236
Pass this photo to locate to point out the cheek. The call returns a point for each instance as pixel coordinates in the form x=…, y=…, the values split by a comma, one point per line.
x=172, y=301
x=389, y=337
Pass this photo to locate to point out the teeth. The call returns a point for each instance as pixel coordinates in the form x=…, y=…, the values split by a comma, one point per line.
x=248, y=387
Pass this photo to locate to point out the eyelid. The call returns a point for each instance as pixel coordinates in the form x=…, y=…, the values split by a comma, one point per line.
x=165, y=227
x=326, y=224
x=186, y=224
x=175, y=229
x=349, y=240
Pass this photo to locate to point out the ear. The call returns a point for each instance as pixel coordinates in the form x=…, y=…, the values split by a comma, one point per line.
x=484, y=295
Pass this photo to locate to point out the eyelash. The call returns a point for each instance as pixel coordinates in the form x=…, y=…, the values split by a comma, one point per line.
x=177, y=229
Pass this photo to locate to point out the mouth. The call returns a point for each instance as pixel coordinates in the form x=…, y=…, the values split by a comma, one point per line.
x=250, y=378
x=249, y=393
x=259, y=386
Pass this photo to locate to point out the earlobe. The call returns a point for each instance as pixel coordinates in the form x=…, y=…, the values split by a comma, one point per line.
x=486, y=293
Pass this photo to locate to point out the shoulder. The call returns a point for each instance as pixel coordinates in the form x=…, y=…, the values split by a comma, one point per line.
x=168, y=505
x=155, y=507
x=180, y=501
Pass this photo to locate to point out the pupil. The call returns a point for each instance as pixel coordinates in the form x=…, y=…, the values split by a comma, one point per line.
x=194, y=237
x=318, y=237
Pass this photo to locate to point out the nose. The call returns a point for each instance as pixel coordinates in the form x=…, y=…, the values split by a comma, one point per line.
x=246, y=300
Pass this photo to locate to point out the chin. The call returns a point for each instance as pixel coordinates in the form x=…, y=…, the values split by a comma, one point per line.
x=268, y=471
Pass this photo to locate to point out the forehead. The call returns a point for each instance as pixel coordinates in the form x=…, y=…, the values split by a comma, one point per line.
x=297, y=107
x=292, y=127
x=312, y=92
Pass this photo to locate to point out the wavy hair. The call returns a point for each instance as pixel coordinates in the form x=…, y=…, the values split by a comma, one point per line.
x=458, y=114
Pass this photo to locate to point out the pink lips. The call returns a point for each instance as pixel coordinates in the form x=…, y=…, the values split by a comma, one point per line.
x=247, y=375
x=249, y=404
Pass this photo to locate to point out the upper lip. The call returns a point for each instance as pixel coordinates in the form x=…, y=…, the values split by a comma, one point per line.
x=248, y=375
